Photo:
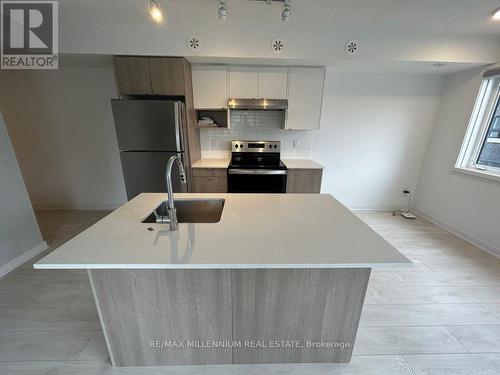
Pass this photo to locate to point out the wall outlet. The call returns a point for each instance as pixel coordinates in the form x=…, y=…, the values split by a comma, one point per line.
x=295, y=143
x=213, y=143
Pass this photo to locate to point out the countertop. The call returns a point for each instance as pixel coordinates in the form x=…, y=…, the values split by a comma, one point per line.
x=255, y=231
x=212, y=163
x=301, y=164
x=224, y=162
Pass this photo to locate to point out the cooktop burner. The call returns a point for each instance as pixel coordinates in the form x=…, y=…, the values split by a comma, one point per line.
x=257, y=166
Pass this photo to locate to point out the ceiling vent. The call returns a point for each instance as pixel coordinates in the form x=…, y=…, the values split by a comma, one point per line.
x=277, y=45
x=352, y=47
x=193, y=43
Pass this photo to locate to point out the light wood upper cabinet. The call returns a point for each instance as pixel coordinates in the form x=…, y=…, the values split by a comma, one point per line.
x=210, y=86
x=244, y=82
x=132, y=75
x=305, y=96
x=150, y=75
x=273, y=82
x=167, y=75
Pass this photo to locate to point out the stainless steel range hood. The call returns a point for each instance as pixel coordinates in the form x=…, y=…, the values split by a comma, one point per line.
x=258, y=104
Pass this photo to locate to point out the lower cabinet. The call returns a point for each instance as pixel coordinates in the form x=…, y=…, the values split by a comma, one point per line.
x=209, y=180
x=214, y=180
x=304, y=180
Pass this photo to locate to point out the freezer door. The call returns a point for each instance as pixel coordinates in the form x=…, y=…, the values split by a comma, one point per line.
x=148, y=125
x=144, y=172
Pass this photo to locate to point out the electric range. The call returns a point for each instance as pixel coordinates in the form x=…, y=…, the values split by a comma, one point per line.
x=256, y=167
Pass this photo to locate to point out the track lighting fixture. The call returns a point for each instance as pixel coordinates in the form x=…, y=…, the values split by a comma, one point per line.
x=222, y=9
x=285, y=14
x=155, y=11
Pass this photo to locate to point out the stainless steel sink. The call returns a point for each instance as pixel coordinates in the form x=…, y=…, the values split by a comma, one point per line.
x=191, y=211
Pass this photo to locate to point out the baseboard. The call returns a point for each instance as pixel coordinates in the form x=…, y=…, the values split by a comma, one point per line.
x=16, y=262
x=361, y=209
x=459, y=233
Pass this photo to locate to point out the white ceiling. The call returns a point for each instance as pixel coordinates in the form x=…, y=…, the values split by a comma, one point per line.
x=459, y=17
x=458, y=32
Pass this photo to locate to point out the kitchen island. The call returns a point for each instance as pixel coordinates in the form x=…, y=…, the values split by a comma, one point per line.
x=280, y=278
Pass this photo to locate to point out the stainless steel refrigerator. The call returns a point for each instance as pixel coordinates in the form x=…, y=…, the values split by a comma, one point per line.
x=149, y=132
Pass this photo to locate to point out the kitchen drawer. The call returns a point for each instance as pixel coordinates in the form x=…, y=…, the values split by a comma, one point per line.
x=209, y=172
x=209, y=180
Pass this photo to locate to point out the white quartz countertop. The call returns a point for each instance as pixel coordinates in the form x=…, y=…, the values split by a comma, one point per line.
x=212, y=163
x=224, y=162
x=255, y=231
x=301, y=164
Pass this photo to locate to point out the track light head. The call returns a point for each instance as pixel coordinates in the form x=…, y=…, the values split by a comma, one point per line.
x=222, y=11
x=285, y=14
x=155, y=11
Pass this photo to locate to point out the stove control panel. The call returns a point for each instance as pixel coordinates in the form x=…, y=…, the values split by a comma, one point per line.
x=256, y=146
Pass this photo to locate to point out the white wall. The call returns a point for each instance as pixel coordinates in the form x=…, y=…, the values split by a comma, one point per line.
x=63, y=133
x=466, y=204
x=374, y=132
x=19, y=233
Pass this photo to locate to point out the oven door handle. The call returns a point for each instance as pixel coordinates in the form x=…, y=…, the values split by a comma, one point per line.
x=258, y=171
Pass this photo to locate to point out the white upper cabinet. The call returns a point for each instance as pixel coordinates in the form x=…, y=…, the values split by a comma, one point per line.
x=210, y=86
x=273, y=82
x=243, y=82
x=305, y=96
x=213, y=85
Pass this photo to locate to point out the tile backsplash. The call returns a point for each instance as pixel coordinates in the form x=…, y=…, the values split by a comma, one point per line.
x=256, y=125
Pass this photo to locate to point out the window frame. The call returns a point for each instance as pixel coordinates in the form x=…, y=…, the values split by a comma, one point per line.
x=475, y=135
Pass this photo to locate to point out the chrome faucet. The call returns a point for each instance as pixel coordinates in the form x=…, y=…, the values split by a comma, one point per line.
x=171, y=217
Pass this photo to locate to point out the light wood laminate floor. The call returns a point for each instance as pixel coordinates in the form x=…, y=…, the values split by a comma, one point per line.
x=441, y=316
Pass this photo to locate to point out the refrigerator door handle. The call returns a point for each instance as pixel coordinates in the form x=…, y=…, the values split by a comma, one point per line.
x=178, y=129
x=183, y=126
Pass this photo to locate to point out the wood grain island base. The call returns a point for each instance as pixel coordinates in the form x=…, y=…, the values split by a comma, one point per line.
x=222, y=316
x=281, y=278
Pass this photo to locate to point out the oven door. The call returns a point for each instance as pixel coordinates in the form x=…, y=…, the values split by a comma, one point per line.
x=256, y=180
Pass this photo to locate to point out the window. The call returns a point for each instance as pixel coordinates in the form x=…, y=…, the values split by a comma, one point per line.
x=490, y=149
x=480, y=152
